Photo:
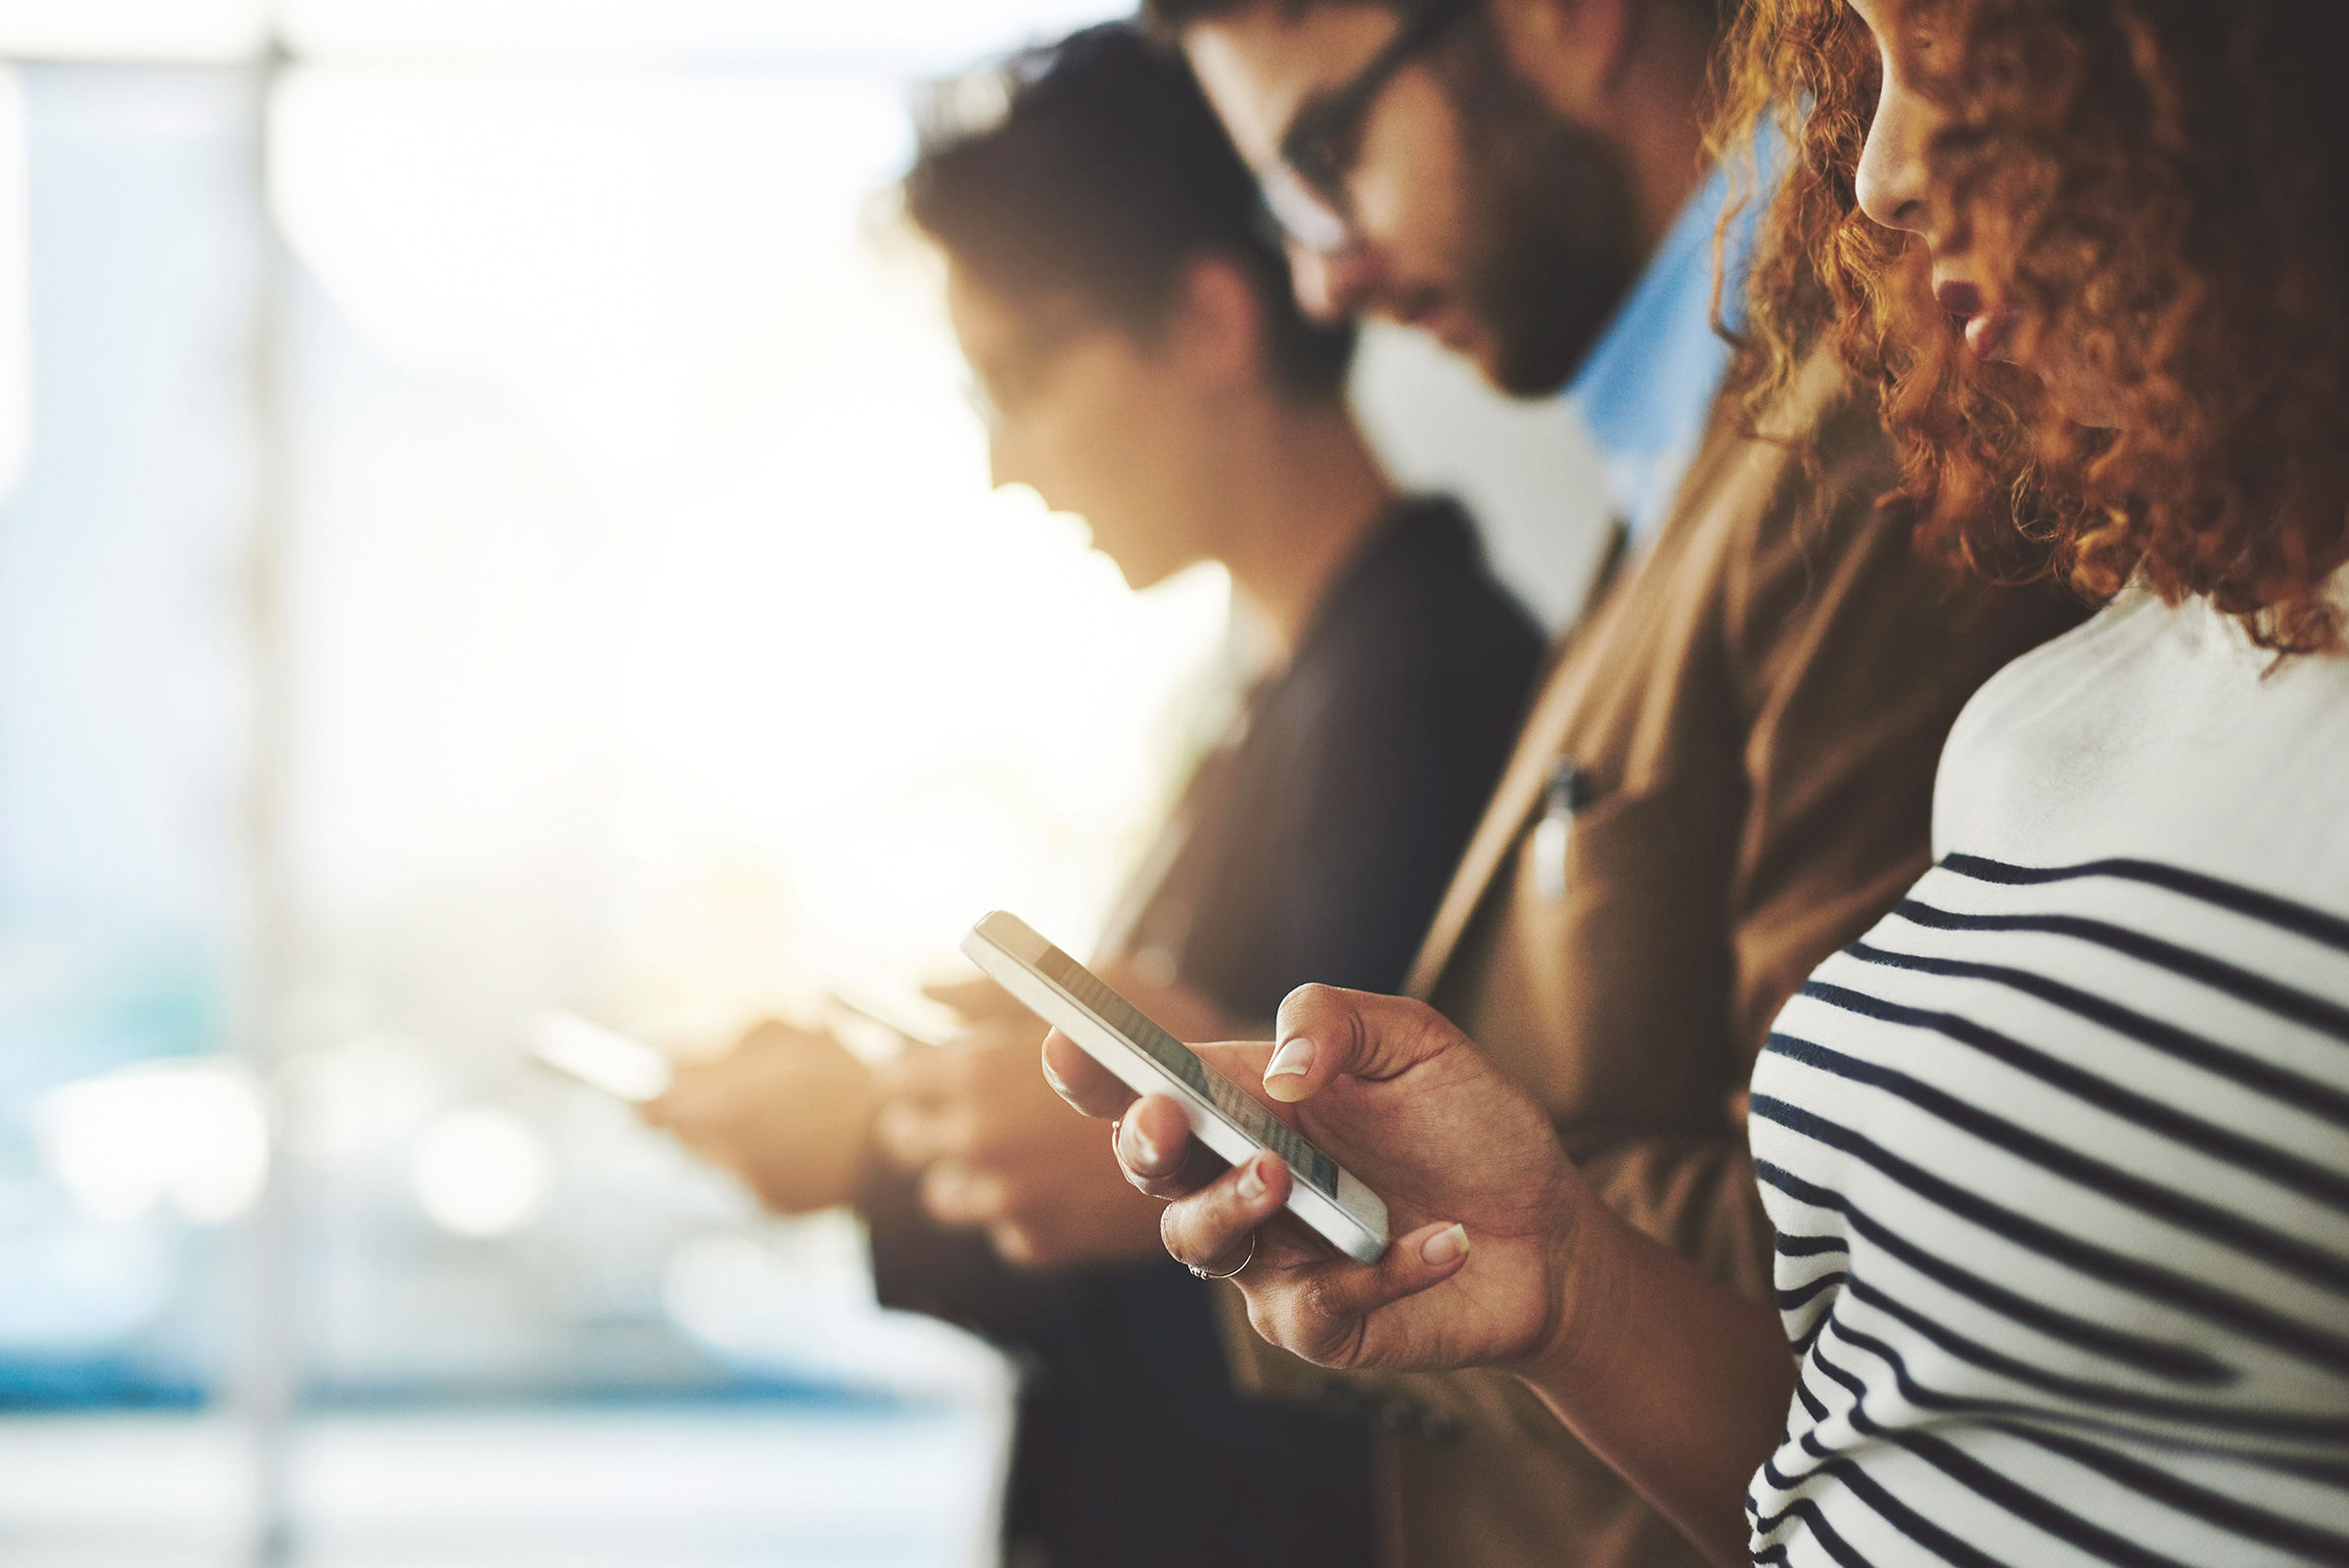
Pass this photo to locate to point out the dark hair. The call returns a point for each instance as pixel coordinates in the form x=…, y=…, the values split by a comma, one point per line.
x=1167, y=18
x=1170, y=17
x=1097, y=168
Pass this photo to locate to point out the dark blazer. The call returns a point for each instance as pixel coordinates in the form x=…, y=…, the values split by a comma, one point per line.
x=1756, y=707
x=1314, y=847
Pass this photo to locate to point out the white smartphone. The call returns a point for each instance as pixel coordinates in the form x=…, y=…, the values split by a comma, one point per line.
x=602, y=1058
x=1150, y=1061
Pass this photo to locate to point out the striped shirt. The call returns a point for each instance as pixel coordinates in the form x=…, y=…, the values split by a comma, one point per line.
x=2058, y=1154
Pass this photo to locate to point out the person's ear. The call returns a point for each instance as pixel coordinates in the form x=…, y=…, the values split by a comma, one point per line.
x=1215, y=326
x=1574, y=51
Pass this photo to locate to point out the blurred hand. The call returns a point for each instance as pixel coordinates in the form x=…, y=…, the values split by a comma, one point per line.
x=998, y=1151
x=978, y=998
x=1482, y=1202
x=789, y=1111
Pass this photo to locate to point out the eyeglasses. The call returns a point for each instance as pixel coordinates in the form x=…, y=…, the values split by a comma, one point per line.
x=1306, y=191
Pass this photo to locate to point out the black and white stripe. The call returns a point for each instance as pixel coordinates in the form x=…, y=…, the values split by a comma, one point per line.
x=2058, y=1158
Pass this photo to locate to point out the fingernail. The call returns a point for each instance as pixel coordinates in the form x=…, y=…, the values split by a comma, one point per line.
x=1445, y=1245
x=1293, y=1060
x=1252, y=1179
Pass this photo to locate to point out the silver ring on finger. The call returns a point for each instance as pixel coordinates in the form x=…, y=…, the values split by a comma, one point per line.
x=1198, y=1272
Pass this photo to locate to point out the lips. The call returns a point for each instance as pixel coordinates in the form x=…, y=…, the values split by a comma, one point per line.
x=1990, y=336
x=1960, y=299
x=1987, y=333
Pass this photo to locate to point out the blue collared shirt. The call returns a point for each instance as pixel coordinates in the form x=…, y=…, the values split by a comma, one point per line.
x=1646, y=387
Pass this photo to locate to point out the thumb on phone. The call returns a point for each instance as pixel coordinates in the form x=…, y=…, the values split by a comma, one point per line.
x=1325, y=1031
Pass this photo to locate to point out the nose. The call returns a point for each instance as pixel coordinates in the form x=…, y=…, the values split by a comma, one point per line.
x=1331, y=286
x=1892, y=181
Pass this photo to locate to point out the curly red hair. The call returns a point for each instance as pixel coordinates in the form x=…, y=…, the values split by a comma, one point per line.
x=2165, y=185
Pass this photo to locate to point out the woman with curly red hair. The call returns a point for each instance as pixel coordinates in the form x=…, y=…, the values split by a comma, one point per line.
x=2058, y=1154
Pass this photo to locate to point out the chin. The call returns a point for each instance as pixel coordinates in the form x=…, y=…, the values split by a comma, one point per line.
x=1530, y=367
x=1492, y=362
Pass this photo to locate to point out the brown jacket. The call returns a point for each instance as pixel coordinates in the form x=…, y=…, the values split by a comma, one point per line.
x=1759, y=703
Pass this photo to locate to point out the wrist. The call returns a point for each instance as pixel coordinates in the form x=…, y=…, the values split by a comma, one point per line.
x=1569, y=1352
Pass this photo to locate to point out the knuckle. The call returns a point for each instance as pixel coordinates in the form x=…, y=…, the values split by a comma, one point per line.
x=1320, y=1300
x=938, y=1193
x=1020, y=1247
x=1173, y=1235
x=985, y=1201
x=1308, y=1000
x=1301, y=1327
x=1265, y=1320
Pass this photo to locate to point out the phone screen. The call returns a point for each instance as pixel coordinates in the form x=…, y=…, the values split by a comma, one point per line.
x=1309, y=1164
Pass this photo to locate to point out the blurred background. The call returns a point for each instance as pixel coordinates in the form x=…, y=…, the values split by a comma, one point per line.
x=490, y=520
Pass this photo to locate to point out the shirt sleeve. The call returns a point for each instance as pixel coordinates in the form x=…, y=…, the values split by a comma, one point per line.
x=953, y=1274
x=1851, y=657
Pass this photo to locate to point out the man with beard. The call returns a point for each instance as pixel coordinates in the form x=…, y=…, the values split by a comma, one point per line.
x=1728, y=773
x=1139, y=361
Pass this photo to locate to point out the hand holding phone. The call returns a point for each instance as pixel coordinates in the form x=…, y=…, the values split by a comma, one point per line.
x=789, y=1110
x=1151, y=1061
x=1490, y=1220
